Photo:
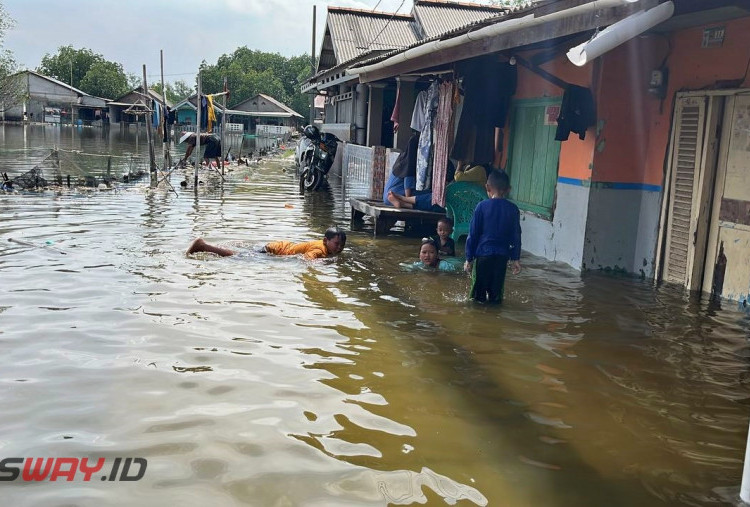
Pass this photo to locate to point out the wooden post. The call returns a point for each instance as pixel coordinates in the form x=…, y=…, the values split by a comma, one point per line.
x=312, y=71
x=223, y=125
x=197, y=149
x=165, y=125
x=378, y=172
x=151, y=156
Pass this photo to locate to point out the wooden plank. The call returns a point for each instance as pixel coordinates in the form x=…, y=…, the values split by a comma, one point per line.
x=385, y=216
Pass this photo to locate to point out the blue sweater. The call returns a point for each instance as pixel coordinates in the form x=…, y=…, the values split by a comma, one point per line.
x=495, y=230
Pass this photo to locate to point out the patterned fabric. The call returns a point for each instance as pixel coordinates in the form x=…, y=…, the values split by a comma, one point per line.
x=443, y=126
x=424, y=171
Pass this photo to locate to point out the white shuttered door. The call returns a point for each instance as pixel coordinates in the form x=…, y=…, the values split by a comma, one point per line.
x=685, y=159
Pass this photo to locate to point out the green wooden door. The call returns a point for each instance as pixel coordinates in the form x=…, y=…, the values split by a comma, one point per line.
x=533, y=155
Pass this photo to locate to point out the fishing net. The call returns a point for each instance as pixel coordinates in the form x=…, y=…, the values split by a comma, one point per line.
x=30, y=179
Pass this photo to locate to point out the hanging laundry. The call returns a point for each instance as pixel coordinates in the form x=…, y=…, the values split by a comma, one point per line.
x=211, y=113
x=443, y=136
x=419, y=115
x=204, y=112
x=396, y=109
x=577, y=113
x=156, y=115
x=424, y=167
x=488, y=87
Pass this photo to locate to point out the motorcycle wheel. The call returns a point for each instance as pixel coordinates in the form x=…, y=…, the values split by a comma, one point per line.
x=310, y=179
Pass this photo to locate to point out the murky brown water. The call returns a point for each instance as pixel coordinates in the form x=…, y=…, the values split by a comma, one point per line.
x=271, y=381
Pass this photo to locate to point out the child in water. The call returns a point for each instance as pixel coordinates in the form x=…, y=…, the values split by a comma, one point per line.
x=333, y=243
x=494, y=241
x=429, y=259
x=445, y=244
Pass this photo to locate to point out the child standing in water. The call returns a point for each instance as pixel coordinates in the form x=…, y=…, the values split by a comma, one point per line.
x=494, y=240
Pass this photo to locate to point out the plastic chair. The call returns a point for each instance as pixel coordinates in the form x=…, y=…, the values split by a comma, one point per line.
x=461, y=197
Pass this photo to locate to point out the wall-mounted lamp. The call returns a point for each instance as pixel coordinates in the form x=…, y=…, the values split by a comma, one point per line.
x=620, y=32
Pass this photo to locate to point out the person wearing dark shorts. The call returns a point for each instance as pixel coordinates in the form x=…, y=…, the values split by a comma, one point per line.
x=494, y=240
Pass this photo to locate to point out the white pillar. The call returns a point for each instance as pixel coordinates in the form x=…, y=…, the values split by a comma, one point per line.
x=360, y=116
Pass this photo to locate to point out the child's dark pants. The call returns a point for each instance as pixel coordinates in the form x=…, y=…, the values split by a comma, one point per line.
x=488, y=279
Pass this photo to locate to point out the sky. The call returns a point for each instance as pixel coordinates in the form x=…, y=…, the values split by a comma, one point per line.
x=188, y=31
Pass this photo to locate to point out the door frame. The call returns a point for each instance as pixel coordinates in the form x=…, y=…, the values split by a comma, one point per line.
x=702, y=196
x=708, y=189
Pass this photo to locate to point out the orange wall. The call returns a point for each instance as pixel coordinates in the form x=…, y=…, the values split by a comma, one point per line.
x=631, y=142
x=636, y=126
x=575, y=154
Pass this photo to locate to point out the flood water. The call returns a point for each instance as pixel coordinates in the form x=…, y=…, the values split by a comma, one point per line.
x=271, y=381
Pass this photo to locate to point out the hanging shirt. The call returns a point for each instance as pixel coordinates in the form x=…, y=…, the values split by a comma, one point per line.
x=577, y=113
x=419, y=116
x=211, y=113
x=396, y=109
x=204, y=112
x=424, y=153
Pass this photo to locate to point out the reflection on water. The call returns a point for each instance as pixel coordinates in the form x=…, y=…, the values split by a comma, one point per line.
x=274, y=381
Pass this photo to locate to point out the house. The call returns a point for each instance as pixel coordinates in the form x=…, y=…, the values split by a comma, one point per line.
x=352, y=35
x=186, y=112
x=362, y=114
x=656, y=184
x=130, y=107
x=264, y=113
x=46, y=97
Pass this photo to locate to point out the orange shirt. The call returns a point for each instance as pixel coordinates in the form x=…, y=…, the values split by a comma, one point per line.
x=311, y=249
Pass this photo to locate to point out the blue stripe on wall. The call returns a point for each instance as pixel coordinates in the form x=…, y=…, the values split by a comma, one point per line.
x=608, y=184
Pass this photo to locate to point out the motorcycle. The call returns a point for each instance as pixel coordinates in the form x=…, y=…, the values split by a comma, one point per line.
x=316, y=154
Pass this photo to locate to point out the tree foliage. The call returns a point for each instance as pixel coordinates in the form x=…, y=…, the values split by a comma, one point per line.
x=105, y=79
x=174, y=92
x=250, y=72
x=11, y=89
x=87, y=71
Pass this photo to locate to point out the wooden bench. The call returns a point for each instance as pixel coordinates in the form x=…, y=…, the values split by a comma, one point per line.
x=384, y=216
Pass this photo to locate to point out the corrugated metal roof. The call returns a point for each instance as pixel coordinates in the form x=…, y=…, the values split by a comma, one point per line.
x=459, y=17
x=356, y=32
x=438, y=17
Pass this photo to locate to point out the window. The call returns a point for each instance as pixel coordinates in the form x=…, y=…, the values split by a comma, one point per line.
x=533, y=155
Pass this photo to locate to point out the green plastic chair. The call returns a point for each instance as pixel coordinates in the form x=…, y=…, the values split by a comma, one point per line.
x=461, y=197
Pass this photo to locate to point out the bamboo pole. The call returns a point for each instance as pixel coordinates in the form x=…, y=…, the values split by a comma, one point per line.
x=312, y=70
x=151, y=155
x=165, y=125
x=197, y=149
x=223, y=125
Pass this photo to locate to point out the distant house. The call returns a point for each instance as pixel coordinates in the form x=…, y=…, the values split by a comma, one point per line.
x=60, y=101
x=262, y=111
x=186, y=112
x=126, y=109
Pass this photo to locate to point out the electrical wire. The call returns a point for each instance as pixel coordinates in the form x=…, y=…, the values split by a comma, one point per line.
x=385, y=26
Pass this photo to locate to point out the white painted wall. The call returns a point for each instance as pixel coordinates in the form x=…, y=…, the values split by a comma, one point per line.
x=562, y=238
x=622, y=230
